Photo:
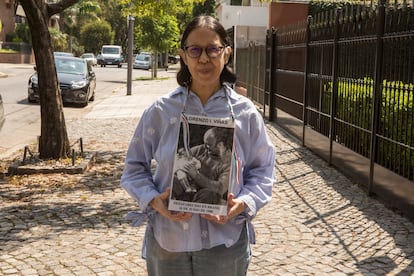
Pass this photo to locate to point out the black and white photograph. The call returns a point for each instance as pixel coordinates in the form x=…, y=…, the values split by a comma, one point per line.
x=202, y=165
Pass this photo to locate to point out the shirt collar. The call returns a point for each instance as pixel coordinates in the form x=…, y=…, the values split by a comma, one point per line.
x=219, y=94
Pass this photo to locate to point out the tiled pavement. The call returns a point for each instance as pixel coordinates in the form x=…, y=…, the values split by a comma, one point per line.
x=318, y=223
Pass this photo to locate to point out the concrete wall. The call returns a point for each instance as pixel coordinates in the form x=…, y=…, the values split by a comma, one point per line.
x=230, y=16
x=17, y=58
x=286, y=13
x=244, y=35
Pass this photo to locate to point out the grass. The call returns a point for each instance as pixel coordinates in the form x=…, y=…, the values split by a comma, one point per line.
x=7, y=51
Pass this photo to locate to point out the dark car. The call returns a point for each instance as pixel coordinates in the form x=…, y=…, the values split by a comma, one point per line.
x=173, y=59
x=2, y=118
x=143, y=61
x=77, y=81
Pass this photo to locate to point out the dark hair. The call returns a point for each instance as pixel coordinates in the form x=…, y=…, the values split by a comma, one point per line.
x=204, y=21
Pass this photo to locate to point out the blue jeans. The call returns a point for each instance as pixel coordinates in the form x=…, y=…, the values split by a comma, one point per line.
x=216, y=261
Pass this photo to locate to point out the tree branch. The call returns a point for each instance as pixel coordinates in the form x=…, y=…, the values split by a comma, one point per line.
x=54, y=8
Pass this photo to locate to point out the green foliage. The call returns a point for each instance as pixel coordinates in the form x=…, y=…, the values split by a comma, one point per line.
x=355, y=98
x=12, y=37
x=207, y=8
x=59, y=40
x=95, y=34
x=171, y=18
x=77, y=49
x=8, y=51
x=74, y=17
x=22, y=31
x=396, y=124
x=318, y=6
x=114, y=12
x=159, y=34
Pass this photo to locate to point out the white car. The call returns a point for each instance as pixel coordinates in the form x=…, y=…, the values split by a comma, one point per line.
x=143, y=61
x=90, y=58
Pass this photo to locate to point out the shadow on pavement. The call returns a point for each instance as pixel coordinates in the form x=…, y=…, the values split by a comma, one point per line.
x=372, y=237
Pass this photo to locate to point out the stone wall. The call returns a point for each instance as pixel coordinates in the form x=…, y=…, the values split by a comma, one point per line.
x=17, y=58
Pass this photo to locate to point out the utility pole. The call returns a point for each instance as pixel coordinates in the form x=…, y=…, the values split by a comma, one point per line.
x=130, y=52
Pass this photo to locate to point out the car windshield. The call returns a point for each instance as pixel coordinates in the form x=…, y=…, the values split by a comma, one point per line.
x=87, y=56
x=70, y=66
x=143, y=58
x=110, y=50
x=63, y=54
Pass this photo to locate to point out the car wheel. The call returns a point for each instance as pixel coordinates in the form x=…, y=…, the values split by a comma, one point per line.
x=93, y=97
x=119, y=65
x=30, y=100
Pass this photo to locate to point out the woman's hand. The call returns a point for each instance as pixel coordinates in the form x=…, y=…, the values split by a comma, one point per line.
x=235, y=208
x=159, y=204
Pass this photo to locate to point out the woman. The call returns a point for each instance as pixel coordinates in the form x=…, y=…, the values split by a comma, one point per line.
x=189, y=243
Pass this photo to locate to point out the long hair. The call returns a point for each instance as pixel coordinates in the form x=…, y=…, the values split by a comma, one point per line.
x=204, y=21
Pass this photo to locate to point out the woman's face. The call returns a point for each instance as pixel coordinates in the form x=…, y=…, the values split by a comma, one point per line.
x=205, y=71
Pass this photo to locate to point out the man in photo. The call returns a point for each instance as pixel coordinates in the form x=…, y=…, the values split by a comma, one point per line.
x=206, y=181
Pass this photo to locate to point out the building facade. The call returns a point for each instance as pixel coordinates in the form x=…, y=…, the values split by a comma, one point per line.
x=7, y=18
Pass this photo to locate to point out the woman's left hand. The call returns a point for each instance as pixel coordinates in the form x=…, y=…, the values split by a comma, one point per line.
x=235, y=208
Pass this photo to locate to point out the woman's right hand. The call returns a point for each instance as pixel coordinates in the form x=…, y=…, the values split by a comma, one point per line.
x=159, y=204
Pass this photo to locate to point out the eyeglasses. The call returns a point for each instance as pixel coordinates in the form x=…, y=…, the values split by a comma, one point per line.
x=211, y=51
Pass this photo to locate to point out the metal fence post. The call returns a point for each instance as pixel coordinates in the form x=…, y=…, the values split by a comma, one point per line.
x=334, y=99
x=273, y=55
x=130, y=52
x=305, y=78
x=377, y=90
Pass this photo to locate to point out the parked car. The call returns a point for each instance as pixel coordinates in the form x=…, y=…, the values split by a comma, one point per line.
x=143, y=61
x=173, y=59
x=90, y=58
x=77, y=81
x=110, y=55
x=2, y=117
x=62, y=54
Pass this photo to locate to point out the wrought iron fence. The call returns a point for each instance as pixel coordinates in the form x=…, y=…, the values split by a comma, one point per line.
x=347, y=74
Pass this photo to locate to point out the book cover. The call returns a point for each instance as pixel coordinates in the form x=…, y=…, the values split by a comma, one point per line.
x=202, y=165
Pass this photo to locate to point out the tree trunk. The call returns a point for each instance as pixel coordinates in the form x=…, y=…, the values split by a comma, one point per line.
x=53, y=142
x=155, y=64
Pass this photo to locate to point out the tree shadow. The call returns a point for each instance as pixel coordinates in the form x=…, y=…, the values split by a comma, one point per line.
x=371, y=236
x=62, y=202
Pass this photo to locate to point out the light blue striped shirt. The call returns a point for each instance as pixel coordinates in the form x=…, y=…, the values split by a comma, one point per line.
x=155, y=138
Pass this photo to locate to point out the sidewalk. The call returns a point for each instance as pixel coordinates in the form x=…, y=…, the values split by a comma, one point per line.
x=318, y=223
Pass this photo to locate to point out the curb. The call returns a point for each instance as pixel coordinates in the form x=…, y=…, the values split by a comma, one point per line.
x=18, y=168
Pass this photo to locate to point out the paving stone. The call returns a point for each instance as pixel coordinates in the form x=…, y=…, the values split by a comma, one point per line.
x=318, y=223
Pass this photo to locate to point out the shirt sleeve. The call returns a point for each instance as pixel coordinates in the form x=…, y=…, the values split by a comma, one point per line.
x=137, y=178
x=258, y=164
